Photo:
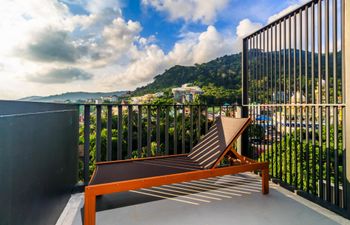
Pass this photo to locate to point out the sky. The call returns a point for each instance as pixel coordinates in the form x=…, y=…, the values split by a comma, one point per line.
x=54, y=46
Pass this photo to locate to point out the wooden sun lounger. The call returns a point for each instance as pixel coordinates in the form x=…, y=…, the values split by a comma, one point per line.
x=202, y=162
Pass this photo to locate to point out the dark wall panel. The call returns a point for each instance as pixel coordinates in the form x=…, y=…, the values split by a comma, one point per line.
x=38, y=161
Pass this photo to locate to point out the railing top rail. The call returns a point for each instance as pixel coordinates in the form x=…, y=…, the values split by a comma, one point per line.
x=162, y=105
x=298, y=105
x=273, y=23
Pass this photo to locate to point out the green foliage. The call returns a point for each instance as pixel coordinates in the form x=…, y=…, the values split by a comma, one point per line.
x=219, y=95
x=220, y=79
x=297, y=159
x=154, y=149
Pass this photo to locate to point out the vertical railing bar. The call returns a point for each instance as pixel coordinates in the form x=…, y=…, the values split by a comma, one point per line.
x=271, y=65
x=213, y=114
x=280, y=100
x=249, y=130
x=249, y=63
x=254, y=71
x=149, y=130
x=306, y=54
x=166, y=130
x=295, y=101
x=183, y=129
x=270, y=152
x=86, y=143
x=275, y=72
x=199, y=124
x=319, y=58
x=98, y=133
x=175, y=129
x=120, y=133
x=313, y=98
x=255, y=155
x=301, y=159
x=260, y=81
x=139, y=131
x=272, y=101
x=264, y=125
x=289, y=96
x=129, y=132
x=191, y=127
x=109, y=132
x=307, y=98
x=258, y=41
x=158, y=129
x=284, y=96
x=335, y=101
x=328, y=178
x=264, y=67
x=257, y=68
x=267, y=66
x=206, y=119
x=245, y=72
x=344, y=100
x=274, y=135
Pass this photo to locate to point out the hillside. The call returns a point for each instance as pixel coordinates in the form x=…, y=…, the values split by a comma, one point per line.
x=223, y=73
x=221, y=78
x=71, y=96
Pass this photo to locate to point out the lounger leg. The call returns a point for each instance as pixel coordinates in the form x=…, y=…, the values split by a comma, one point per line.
x=265, y=181
x=89, y=208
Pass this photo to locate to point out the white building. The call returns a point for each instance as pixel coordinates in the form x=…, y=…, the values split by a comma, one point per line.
x=186, y=93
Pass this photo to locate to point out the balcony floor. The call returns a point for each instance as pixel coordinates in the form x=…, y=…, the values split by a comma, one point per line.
x=238, y=200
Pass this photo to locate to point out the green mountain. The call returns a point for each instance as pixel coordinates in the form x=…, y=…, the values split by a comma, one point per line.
x=220, y=79
x=72, y=96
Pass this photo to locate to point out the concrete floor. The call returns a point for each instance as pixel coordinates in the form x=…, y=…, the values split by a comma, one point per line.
x=222, y=200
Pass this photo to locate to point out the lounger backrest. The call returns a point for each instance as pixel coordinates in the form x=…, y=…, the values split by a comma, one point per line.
x=217, y=141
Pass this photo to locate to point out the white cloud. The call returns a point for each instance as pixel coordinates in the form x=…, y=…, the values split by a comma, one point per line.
x=192, y=48
x=108, y=50
x=203, y=11
x=201, y=47
x=63, y=75
x=286, y=11
x=101, y=50
x=98, y=6
x=121, y=34
x=246, y=27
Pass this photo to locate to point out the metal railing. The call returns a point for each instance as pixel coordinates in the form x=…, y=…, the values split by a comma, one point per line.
x=293, y=88
x=116, y=132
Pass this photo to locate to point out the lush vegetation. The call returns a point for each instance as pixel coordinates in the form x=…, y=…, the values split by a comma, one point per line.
x=220, y=80
x=297, y=161
x=184, y=133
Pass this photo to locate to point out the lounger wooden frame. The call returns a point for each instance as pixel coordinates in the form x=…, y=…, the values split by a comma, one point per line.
x=246, y=165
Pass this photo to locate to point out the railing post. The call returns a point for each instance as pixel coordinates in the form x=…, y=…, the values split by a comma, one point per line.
x=239, y=140
x=346, y=68
x=98, y=133
x=244, y=140
x=109, y=132
x=86, y=143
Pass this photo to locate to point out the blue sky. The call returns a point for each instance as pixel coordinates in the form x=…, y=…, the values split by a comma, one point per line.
x=55, y=46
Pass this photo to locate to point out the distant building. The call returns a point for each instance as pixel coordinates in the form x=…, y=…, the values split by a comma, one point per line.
x=114, y=98
x=147, y=98
x=186, y=93
x=90, y=100
x=159, y=94
x=98, y=101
